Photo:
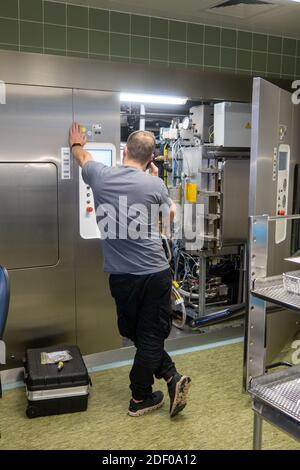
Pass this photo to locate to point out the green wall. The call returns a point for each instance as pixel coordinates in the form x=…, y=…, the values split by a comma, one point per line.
x=54, y=28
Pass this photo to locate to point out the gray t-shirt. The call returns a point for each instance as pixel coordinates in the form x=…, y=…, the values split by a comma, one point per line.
x=127, y=203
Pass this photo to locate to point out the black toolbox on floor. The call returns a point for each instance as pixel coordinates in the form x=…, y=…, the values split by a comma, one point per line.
x=52, y=391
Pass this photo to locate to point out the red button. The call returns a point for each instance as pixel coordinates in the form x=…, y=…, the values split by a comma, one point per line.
x=89, y=209
x=281, y=212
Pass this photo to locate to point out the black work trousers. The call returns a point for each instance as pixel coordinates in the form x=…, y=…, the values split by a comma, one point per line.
x=144, y=316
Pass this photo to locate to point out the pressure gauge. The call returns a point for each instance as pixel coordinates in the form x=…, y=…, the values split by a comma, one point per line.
x=186, y=123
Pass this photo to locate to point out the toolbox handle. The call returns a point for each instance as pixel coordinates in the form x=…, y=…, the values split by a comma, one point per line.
x=25, y=374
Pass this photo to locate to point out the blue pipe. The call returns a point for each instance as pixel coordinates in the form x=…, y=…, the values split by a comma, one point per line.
x=221, y=315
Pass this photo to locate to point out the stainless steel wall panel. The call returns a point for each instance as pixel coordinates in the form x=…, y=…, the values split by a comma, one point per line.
x=42, y=310
x=96, y=315
x=265, y=117
x=47, y=70
x=235, y=190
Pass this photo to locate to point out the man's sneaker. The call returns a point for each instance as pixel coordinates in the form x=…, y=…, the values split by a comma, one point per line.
x=155, y=401
x=178, y=392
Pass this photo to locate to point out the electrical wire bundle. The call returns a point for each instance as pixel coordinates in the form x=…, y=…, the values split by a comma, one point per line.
x=176, y=161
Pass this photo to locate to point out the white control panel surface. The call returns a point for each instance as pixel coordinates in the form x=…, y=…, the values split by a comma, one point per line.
x=103, y=153
x=282, y=194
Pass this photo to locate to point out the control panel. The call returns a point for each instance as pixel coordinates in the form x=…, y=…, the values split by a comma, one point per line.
x=283, y=165
x=103, y=153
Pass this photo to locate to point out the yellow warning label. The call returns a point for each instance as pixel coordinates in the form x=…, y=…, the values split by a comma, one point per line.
x=191, y=192
x=248, y=125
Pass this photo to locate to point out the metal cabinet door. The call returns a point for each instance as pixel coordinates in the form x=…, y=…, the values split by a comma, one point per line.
x=34, y=126
x=96, y=316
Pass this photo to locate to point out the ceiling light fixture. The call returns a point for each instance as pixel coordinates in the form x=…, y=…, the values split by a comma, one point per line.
x=154, y=99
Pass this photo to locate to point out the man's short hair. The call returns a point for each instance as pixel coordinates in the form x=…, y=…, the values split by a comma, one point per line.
x=141, y=146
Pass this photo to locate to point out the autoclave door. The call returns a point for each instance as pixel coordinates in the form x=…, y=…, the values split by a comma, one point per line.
x=37, y=218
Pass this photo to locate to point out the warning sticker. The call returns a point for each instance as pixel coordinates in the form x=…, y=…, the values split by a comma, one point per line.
x=248, y=125
x=191, y=192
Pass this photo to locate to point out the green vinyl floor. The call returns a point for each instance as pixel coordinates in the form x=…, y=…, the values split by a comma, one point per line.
x=218, y=415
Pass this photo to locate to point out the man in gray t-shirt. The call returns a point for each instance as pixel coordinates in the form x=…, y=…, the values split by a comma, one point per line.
x=123, y=190
x=128, y=204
